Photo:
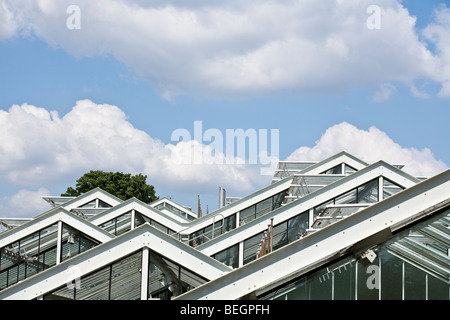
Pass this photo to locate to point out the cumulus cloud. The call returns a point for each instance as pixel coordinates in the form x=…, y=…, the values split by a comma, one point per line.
x=370, y=145
x=24, y=204
x=223, y=48
x=39, y=147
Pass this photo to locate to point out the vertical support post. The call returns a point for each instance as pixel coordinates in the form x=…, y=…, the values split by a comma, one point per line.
x=59, y=243
x=380, y=188
x=144, y=273
x=311, y=217
x=241, y=254
x=271, y=234
x=133, y=215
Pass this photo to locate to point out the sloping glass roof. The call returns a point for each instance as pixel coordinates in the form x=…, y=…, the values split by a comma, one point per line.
x=428, y=247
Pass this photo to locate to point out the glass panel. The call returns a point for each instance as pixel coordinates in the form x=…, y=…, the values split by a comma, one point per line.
x=349, y=197
x=319, y=286
x=368, y=193
x=48, y=241
x=280, y=236
x=103, y=204
x=189, y=280
x=74, y=242
x=391, y=273
x=349, y=169
x=123, y=223
x=126, y=278
x=247, y=215
x=9, y=255
x=344, y=281
x=109, y=226
x=415, y=283
x=263, y=207
x=437, y=289
x=278, y=199
x=368, y=281
x=318, y=210
x=228, y=224
x=251, y=247
x=335, y=170
x=157, y=280
x=140, y=219
x=390, y=188
x=159, y=226
x=229, y=256
x=95, y=286
x=64, y=293
x=92, y=204
x=297, y=226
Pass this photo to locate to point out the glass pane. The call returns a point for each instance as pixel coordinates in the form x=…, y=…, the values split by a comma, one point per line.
x=280, y=236
x=157, y=280
x=368, y=193
x=247, y=215
x=126, y=278
x=278, y=199
x=190, y=280
x=10, y=255
x=415, y=283
x=349, y=169
x=318, y=210
x=344, y=282
x=109, y=226
x=103, y=204
x=140, y=219
x=92, y=204
x=123, y=223
x=391, y=276
x=437, y=289
x=368, y=281
x=228, y=224
x=390, y=188
x=297, y=226
x=335, y=170
x=65, y=293
x=263, y=207
x=349, y=197
x=95, y=286
x=229, y=256
x=251, y=247
x=320, y=286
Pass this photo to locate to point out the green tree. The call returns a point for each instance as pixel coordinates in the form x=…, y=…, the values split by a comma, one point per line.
x=122, y=185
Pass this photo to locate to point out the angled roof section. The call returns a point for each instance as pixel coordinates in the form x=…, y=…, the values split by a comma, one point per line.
x=90, y=196
x=308, y=202
x=172, y=222
x=174, y=209
x=363, y=229
x=144, y=236
x=51, y=217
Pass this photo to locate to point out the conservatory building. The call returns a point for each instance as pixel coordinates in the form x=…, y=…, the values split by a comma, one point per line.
x=337, y=229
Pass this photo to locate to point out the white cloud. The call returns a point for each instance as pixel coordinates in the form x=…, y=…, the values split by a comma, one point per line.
x=225, y=48
x=371, y=146
x=40, y=148
x=438, y=33
x=24, y=204
x=384, y=93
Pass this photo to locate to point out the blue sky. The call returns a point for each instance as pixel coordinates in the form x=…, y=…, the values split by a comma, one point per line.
x=315, y=72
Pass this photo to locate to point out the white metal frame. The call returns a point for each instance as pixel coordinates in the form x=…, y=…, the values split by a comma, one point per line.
x=330, y=242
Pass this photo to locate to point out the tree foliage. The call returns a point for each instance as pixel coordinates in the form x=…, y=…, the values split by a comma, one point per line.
x=122, y=185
